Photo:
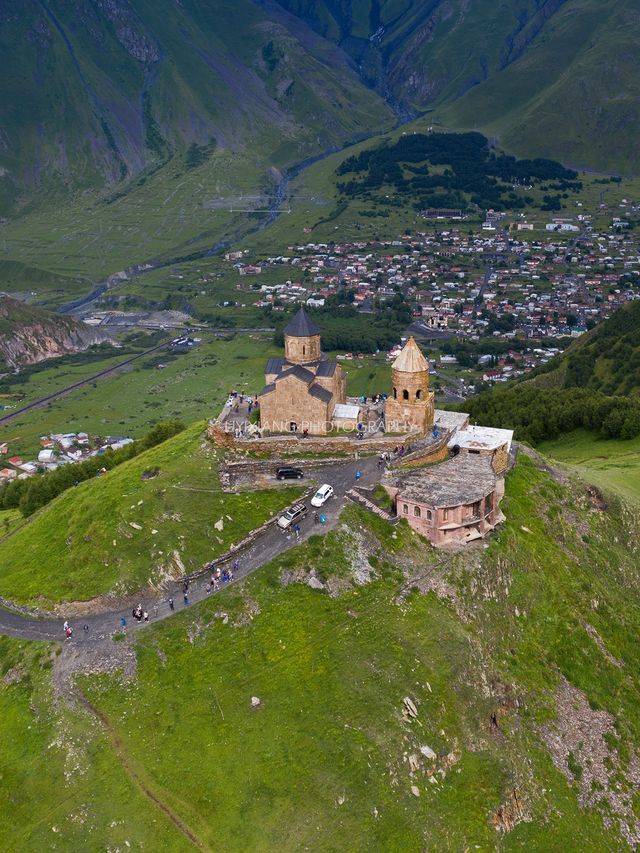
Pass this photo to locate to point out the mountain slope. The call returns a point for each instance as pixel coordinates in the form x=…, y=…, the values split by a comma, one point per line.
x=551, y=77
x=94, y=93
x=521, y=661
x=606, y=359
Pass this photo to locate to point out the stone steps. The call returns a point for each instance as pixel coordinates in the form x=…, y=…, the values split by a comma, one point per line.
x=358, y=498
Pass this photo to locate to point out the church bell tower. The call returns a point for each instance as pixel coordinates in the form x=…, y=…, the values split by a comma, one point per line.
x=410, y=408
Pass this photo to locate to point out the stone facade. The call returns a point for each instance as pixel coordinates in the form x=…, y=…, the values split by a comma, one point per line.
x=411, y=405
x=302, y=350
x=302, y=389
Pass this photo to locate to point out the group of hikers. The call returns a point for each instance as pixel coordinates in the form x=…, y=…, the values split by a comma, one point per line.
x=220, y=576
x=217, y=578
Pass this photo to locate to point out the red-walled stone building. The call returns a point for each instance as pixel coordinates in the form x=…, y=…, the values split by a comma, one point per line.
x=454, y=502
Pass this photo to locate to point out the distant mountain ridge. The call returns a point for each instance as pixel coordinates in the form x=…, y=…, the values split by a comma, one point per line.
x=93, y=94
x=96, y=95
x=556, y=78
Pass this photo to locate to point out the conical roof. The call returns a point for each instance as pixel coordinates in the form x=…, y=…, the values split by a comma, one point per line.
x=410, y=359
x=301, y=326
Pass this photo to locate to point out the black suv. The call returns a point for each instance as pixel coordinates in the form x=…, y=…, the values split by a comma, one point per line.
x=289, y=474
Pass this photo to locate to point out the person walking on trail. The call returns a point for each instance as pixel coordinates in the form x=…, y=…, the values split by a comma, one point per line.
x=123, y=624
x=170, y=604
x=235, y=566
x=155, y=611
x=68, y=633
x=296, y=530
x=145, y=616
x=65, y=626
x=186, y=599
x=358, y=474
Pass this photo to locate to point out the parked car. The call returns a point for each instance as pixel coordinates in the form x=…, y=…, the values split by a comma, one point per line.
x=322, y=495
x=292, y=515
x=289, y=474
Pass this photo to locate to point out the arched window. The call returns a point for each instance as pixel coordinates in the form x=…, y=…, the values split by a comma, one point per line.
x=405, y=394
x=395, y=394
x=418, y=394
x=416, y=511
x=304, y=350
x=429, y=514
x=405, y=509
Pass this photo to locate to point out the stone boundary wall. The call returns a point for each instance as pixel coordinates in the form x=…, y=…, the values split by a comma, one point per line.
x=234, y=551
x=436, y=452
x=278, y=444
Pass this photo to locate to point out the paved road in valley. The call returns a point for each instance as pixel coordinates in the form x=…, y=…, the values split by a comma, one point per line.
x=44, y=400
x=272, y=543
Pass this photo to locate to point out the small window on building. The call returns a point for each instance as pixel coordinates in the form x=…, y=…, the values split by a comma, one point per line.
x=445, y=514
x=429, y=515
x=474, y=451
x=405, y=509
x=416, y=511
x=304, y=350
x=475, y=509
x=405, y=394
x=488, y=503
x=395, y=394
x=418, y=394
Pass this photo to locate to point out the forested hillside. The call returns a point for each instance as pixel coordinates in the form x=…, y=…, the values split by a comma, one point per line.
x=595, y=384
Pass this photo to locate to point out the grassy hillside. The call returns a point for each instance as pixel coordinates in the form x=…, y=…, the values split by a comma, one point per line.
x=95, y=94
x=521, y=661
x=611, y=464
x=555, y=96
x=121, y=531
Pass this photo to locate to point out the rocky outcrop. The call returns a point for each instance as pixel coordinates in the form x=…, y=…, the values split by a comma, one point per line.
x=29, y=335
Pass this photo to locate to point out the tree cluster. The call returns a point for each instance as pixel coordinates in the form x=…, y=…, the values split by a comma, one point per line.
x=473, y=173
x=537, y=414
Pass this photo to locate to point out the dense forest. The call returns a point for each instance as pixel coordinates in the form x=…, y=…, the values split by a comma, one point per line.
x=453, y=170
x=537, y=414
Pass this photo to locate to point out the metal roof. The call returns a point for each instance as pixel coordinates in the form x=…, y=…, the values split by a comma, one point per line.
x=301, y=326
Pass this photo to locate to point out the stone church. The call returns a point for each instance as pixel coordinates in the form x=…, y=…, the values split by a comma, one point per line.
x=302, y=389
x=306, y=392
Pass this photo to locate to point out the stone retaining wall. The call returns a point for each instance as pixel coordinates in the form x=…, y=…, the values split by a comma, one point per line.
x=229, y=472
x=437, y=452
x=291, y=444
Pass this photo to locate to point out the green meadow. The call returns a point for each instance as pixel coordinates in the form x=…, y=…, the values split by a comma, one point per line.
x=611, y=464
x=119, y=532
